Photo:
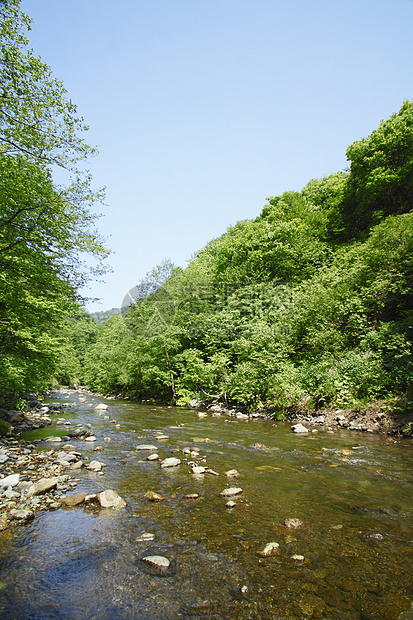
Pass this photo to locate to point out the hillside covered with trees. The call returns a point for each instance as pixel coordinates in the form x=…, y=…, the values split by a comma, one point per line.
x=308, y=305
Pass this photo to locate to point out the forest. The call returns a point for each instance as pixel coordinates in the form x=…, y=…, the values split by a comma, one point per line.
x=307, y=306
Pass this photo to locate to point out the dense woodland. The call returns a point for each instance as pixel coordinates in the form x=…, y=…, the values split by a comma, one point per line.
x=308, y=305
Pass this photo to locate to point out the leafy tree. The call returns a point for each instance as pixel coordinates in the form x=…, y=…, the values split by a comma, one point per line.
x=46, y=231
x=381, y=174
x=36, y=117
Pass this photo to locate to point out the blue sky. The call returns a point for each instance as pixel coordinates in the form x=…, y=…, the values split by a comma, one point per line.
x=201, y=109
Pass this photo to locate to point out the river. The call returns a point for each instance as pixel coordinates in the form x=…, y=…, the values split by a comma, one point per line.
x=352, y=492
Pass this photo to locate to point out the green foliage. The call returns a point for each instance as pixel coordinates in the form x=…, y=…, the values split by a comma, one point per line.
x=103, y=316
x=45, y=230
x=381, y=174
x=275, y=312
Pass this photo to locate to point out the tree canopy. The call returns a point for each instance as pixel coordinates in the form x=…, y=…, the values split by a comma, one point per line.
x=46, y=230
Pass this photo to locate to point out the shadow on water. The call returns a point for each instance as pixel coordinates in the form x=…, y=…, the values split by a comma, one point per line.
x=352, y=492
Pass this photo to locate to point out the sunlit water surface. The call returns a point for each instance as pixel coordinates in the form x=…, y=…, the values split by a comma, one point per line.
x=357, y=542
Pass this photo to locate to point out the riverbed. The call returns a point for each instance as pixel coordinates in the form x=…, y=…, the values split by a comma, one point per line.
x=338, y=504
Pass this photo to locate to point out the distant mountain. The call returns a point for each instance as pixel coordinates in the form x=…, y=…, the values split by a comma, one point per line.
x=103, y=316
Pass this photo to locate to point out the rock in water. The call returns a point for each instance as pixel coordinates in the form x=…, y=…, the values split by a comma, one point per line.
x=110, y=499
x=154, y=497
x=74, y=500
x=94, y=466
x=231, y=491
x=145, y=537
x=158, y=561
x=299, y=428
x=232, y=473
x=269, y=549
x=170, y=462
x=101, y=407
x=294, y=524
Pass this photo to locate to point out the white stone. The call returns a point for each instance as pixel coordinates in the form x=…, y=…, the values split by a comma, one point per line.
x=231, y=492
x=110, y=499
x=232, y=473
x=270, y=548
x=170, y=462
x=152, y=457
x=299, y=428
x=157, y=560
x=145, y=446
x=94, y=466
x=10, y=481
x=91, y=438
x=101, y=407
x=145, y=537
x=198, y=469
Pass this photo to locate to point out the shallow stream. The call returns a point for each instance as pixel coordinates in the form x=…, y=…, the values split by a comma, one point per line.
x=353, y=492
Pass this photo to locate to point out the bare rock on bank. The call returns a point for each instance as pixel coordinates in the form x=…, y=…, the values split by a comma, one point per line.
x=42, y=486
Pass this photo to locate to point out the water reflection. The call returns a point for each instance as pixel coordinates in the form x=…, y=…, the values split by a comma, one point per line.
x=352, y=492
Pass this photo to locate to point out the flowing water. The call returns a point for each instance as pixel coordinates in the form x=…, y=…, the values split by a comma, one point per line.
x=352, y=491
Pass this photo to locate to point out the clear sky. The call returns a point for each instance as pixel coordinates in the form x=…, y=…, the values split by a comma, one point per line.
x=201, y=109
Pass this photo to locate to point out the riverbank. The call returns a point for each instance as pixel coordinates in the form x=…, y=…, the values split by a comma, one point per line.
x=379, y=418
x=34, y=481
